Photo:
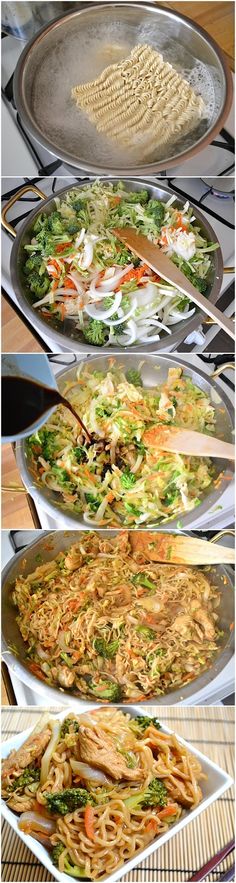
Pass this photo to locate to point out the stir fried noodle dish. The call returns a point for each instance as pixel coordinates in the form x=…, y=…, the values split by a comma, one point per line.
x=104, y=621
x=97, y=788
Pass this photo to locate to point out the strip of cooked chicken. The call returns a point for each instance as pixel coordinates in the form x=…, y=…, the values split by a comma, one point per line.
x=101, y=752
x=31, y=750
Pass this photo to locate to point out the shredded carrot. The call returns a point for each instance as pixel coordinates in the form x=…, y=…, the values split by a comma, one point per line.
x=231, y=628
x=36, y=670
x=69, y=283
x=152, y=825
x=62, y=246
x=134, y=274
x=168, y=811
x=41, y=470
x=110, y=496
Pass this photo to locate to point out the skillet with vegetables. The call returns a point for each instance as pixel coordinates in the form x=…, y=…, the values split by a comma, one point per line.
x=81, y=278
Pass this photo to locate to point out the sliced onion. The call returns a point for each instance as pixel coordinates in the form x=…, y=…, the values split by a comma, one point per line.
x=130, y=332
x=124, y=316
x=77, y=281
x=109, y=284
x=88, y=772
x=149, y=338
x=182, y=314
x=97, y=313
x=80, y=238
x=154, y=321
x=46, y=758
x=32, y=821
x=106, y=283
x=44, y=300
x=87, y=256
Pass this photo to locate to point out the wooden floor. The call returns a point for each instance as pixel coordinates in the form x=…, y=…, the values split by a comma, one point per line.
x=15, y=508
x=16, y=338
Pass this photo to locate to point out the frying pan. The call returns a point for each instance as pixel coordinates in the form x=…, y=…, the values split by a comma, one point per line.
x=76, y=48
x=50, y=544
x=66, y=335
x=154, y=371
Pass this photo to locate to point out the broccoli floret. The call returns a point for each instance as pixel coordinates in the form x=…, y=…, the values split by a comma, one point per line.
x=106, y=649
x=55, y=223
x=139, y=196
x=155, y=795
x=147, y=634
x=106, y=690
x=68, y=726
x=69, y=868
x=128, y=479
x=94, y=502
x=132, y=510
x=39, y=285
x=48, y=443
x=63, y=479
x=68, y=800
x=40, y=223
x=34, y=262
x=80, y=453
x=30, y=774
x=139, y=579
x=73, y=227
x=140, y=723
x=201, y=284
x=134, y=377
x=95, y=332
x=104, y=410
x=156, y=210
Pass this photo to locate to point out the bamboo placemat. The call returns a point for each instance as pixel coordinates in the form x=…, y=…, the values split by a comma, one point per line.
x=211, y=729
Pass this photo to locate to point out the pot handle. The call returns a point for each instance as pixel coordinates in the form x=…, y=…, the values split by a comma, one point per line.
x=28, y=188
x=218, y=371
x=222, y=533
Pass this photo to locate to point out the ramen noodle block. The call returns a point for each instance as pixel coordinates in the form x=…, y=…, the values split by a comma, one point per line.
x=141, y=99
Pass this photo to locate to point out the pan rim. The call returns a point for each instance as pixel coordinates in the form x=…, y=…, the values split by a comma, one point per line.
x=144, y=168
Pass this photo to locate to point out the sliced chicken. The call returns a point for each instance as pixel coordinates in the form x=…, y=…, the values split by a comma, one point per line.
x=200, y=615
x=74, y=559
x=98, y=750
x=31, y=750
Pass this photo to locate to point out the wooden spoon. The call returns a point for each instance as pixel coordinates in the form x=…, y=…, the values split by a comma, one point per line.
x=171, y=549
x=161, y=264
x=186, y=441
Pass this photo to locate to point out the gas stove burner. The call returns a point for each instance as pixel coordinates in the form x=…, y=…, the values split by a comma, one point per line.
x=221, y=187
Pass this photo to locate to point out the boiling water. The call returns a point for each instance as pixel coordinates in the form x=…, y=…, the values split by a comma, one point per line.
x=79, y=53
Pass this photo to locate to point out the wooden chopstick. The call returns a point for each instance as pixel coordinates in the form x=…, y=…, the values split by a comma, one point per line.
x=213, y=862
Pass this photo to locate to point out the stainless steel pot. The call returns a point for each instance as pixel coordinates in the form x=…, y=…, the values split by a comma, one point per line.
x=78, y=46
x=67, y=337
x=57, y=541
x=48, y=499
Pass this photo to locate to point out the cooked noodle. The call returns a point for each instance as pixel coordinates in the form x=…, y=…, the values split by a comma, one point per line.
x=115, y=828
x=102, y=620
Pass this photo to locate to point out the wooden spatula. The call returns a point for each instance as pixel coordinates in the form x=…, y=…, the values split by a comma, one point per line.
x=186, y=441
x=161, y=264
x=171, y=549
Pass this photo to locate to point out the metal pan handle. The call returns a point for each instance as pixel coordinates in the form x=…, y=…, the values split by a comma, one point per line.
x=220, y=370
x=222, y=533
x=28, y=188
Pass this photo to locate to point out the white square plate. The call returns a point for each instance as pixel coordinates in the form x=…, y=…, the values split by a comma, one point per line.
x=217, y=782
